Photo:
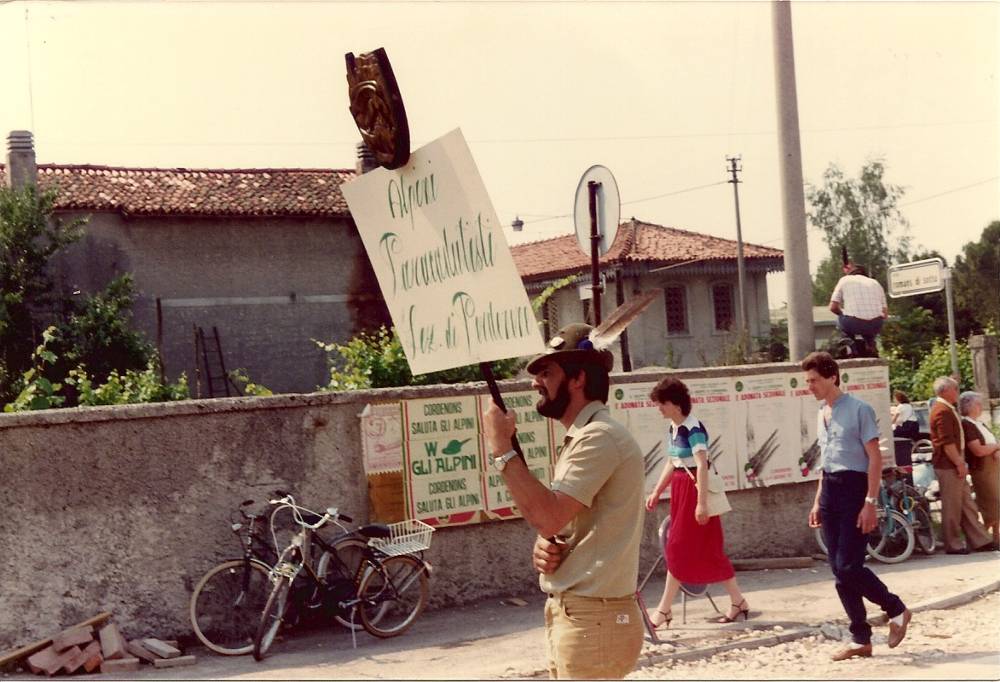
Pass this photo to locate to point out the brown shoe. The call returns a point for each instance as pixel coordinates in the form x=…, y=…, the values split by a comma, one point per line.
x=864, y=651
x=898, y=632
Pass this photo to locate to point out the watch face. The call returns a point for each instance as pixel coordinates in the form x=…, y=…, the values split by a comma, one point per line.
x=499, y=463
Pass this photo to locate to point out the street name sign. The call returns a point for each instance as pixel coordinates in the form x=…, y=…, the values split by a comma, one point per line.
x=441, y=259
x=918, y=277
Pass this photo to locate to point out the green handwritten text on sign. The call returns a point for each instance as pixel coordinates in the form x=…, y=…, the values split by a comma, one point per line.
x=443, y=456
x=441, y=260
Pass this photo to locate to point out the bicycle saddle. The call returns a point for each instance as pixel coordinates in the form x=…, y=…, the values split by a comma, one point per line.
x=374, y=530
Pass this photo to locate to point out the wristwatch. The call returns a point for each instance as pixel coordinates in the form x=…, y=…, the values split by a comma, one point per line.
x=500, y=461
x=871, y=500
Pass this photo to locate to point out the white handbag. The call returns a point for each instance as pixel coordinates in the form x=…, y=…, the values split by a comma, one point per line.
x=715, y=497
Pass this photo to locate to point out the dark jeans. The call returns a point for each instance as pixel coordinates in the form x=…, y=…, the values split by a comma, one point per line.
x=855, y=326
x=840, y=502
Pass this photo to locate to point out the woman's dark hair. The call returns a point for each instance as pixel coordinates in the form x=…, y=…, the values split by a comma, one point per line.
x=673, y=390
x=823, y=363
x=596, y=384
x=900, y=397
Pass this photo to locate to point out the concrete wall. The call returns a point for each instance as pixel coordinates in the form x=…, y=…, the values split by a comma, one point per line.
x=124, y=508
x=268, y=284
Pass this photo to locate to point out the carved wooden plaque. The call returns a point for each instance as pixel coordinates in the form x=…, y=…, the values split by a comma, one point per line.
x=377, y=107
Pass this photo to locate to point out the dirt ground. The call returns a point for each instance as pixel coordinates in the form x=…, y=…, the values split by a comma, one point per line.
x=938, y=644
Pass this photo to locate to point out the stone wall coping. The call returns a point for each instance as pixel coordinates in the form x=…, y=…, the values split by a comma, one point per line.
x=84, y=415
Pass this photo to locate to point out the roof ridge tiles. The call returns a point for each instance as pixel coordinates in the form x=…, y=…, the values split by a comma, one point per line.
x=148, y=169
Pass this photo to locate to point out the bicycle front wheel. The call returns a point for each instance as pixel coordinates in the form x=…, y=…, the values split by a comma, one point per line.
x=923, y=529
x=271, y=618
x=392, y=595
x=821, y=540
x=226, y=604
x=897, y=538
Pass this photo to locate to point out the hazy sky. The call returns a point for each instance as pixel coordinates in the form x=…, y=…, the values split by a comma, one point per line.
x=658, y=92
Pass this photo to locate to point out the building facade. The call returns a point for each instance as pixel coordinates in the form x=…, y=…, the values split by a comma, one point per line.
x=694, y=319
x=270, y=258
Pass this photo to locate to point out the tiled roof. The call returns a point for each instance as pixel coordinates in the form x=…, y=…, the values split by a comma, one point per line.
x=636, y=242
x=208, y=192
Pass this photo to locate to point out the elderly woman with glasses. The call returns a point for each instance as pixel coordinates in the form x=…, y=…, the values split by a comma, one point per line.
x=981, y=450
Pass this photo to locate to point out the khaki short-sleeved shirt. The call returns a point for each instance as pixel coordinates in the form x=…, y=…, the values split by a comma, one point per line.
x=600, y=466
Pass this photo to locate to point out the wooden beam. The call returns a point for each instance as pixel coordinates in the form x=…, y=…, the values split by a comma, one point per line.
x=18, y=654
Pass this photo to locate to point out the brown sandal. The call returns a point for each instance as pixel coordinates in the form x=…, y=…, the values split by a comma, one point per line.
x=667, y=617
x=742, y=609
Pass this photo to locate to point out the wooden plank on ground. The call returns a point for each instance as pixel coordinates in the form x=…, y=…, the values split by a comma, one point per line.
x=160, y=648
x=174, y=662
x=112, y=642
x=121, y=665
x=136, y=648
x=48, y=661
x=73, y=636
x=28, y=649
x=83, y=658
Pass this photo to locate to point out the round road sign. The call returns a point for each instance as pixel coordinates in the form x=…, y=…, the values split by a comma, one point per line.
x=608, y=209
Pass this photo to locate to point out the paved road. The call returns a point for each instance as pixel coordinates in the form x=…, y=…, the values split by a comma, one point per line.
x=492, y=640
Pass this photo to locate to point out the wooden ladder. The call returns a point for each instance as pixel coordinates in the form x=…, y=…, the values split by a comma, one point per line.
x=209, y=360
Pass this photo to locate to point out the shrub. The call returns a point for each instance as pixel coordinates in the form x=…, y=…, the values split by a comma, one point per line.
x=937, y=363
x=36, y=391
x=376, y=360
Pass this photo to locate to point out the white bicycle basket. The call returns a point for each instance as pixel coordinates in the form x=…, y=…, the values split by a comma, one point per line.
x=405, y=537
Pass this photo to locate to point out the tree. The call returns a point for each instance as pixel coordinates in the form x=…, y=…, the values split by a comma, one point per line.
x=861, y=214
x=29, y=236
x=47, y=337
x=976, y=280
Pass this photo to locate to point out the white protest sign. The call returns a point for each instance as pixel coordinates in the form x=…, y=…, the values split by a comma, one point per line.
x=441, y=260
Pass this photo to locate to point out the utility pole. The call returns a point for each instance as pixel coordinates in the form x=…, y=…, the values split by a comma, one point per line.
x=798, y=284
x=744, y=323
x=956, y=375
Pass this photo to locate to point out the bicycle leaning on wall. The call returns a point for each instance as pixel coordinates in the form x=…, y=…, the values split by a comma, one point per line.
x=386, y=591
x=227, y=601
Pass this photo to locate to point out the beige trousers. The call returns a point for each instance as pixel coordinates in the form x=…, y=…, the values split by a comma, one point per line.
x=959, y=513
x=592, y=638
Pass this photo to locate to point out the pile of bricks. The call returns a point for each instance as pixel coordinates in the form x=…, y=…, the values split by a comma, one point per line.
x=98, y=645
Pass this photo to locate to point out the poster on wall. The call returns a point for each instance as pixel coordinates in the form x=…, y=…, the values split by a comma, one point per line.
x=534, y=433
x=441, y=260
x=630, y=406
x=871, y=384
x=807, y=408
x=442, y=455
x=381, y=438
x=713, y=403
x=767, y=430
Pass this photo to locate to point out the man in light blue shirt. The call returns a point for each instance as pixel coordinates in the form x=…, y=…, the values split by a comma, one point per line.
x=845, y=503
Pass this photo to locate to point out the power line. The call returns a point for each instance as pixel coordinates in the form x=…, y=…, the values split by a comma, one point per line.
x=950, y=191
x=523, y=140
x=626, y=203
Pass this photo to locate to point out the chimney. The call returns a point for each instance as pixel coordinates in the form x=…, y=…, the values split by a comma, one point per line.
x=21, y=170
x=366, y=160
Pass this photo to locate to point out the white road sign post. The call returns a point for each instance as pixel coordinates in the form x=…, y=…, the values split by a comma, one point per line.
x=441, y=259
x=926, y=277
x=918, y=277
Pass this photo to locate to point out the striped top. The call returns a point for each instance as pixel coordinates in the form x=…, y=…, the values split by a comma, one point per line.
x=687, y=439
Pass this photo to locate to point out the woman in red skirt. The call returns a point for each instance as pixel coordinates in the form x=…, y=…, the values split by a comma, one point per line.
x=694, y=542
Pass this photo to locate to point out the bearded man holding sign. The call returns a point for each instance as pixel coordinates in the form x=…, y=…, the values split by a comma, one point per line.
x=590, y=520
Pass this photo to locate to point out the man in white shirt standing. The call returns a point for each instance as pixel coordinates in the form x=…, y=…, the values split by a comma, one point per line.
x=858, y=301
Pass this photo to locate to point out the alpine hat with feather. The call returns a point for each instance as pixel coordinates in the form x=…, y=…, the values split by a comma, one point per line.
x=588, y=345
x=572, y=344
